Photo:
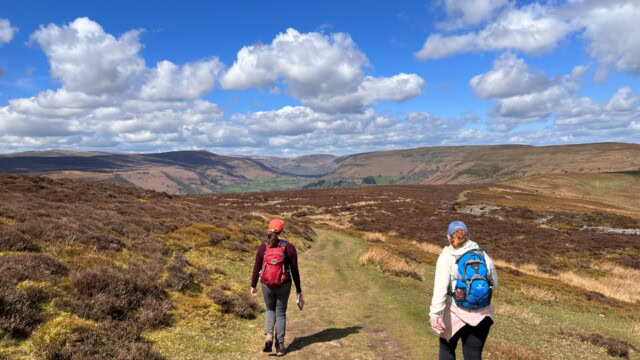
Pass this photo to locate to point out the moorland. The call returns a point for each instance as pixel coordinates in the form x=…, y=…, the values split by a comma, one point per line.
x=93, y=270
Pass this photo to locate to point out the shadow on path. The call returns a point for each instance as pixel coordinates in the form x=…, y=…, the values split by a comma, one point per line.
x=325, y=335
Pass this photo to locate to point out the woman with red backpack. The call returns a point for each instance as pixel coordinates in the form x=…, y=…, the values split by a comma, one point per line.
x=461, y=305
x=276, y=265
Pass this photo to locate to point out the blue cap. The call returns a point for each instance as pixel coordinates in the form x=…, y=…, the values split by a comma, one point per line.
x=457, y=225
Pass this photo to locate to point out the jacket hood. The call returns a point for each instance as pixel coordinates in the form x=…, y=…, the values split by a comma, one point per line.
x=469, y=245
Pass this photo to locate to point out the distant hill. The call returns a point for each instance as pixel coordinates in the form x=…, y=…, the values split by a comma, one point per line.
x=317, y=164
x=178, y=172
x=480, y=164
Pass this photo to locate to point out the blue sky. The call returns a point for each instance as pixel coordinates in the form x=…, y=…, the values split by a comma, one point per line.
x=334, y=77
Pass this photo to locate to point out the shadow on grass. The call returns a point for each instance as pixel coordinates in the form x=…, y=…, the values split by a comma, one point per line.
x=325, y=335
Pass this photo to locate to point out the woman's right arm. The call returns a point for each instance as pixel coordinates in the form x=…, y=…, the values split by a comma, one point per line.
x=257, y=265
x=440, y=286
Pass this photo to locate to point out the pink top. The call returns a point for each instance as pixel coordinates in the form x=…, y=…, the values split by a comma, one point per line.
x=455, y=318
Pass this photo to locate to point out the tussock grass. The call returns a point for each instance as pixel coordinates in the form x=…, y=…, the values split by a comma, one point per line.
x=374, y=237
x=428, y=247
x=520, y=313
x=538, y=294
x=635, y=329
x=619, y=283
x=388, y=262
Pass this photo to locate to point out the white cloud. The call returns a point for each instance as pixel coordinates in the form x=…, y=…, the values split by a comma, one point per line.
x=84, y=58
x=607, y=26
x=532, y=29
x=611, y=32
x=325, y=72
x=510, y=76
x=189, y=81
x=6, y=31
x=521, y=97
x=463, y=13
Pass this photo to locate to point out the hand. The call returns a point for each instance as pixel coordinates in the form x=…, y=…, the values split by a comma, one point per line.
x=254, y=291
x=437, y=324
x=301, y=296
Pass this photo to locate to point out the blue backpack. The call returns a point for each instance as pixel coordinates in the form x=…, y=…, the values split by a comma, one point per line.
x=473, y=287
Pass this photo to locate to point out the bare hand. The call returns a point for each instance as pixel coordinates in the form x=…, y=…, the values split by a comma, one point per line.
x=437, y=324
x=254, y=291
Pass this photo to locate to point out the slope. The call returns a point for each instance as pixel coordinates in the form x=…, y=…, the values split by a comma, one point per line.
x=483, y=164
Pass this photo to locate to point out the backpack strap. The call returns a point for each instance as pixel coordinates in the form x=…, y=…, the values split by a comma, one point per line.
x=477, y=250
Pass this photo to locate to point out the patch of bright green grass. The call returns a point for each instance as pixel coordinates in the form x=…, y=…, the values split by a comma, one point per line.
x=268, y=184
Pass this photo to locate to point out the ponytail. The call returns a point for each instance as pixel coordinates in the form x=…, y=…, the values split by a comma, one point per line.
x=272, y=239
x=459, y=238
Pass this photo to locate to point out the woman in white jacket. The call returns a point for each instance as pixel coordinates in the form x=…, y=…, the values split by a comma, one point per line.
x=450, y=321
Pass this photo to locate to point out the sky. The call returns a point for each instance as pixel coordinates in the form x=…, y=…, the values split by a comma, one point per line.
x=290, y=78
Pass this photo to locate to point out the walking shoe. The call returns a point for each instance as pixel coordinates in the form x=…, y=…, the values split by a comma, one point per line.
x=268, y=344
x=279, y=349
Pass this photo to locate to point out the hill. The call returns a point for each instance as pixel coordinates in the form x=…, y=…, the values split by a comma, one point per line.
x=480, y=164
x=179, y=172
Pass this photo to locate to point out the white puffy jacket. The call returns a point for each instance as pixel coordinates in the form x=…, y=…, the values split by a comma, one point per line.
x=447, y=271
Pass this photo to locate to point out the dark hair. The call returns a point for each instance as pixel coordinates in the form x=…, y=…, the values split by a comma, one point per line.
x=273, y=239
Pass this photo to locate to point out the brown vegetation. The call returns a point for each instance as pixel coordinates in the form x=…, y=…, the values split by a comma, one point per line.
x=614, y=346
x=240, y=305
x=390, y=263
x=86, y=268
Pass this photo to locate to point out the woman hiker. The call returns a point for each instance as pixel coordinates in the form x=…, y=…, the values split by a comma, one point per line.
x=461, y=304
x=276, y=264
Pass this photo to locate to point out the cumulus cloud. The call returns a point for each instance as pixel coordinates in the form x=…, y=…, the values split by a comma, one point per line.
x=463, y=13
x=610, y=30
x=83, y=57
x=189, y=81
x=6, y=31
x=538, y=27
x=325, y=72
x=521, y=97
x=108, y=97
x=532, y=29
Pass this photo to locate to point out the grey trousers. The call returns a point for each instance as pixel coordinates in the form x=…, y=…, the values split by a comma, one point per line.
x=275, y=300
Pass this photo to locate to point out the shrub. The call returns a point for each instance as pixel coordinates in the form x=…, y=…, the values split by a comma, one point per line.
x=20, y=309
x=240, y=305
x=13, y=240
x=105, y=293
x=614, y=346
x=15, y=268
x=70, y=338
x=178, y=278
x=217, y=238
x=240, y=247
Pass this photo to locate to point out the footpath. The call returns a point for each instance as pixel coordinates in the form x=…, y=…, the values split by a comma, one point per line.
x=351, y=311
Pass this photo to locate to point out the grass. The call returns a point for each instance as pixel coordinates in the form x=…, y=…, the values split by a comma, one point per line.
x=388, y=262
x=268, y=184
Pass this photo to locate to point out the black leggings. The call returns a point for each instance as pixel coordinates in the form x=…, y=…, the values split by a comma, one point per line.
x=473, y=339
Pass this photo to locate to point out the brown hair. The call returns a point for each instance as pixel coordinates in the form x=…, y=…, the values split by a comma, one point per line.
x=273, y=239
x=458, y=239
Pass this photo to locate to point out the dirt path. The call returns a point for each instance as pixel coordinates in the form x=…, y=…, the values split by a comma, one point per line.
x=352, y=311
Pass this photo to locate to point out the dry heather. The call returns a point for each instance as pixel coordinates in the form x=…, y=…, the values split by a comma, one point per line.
x=635, y=329
x=614, y=346
x=510, y=234
x=390, y=263
x=85, y=268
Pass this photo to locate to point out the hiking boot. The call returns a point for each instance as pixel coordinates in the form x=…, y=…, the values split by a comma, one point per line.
x=268, y=344
x=279, y=349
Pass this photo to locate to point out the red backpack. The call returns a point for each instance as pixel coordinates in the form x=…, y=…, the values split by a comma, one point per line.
x=274, y=270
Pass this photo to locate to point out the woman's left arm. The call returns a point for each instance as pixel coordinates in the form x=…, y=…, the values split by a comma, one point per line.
x=493, y=274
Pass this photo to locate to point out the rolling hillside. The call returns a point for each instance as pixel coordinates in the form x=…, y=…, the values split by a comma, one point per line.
x=179, y=172
x=482, y=164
